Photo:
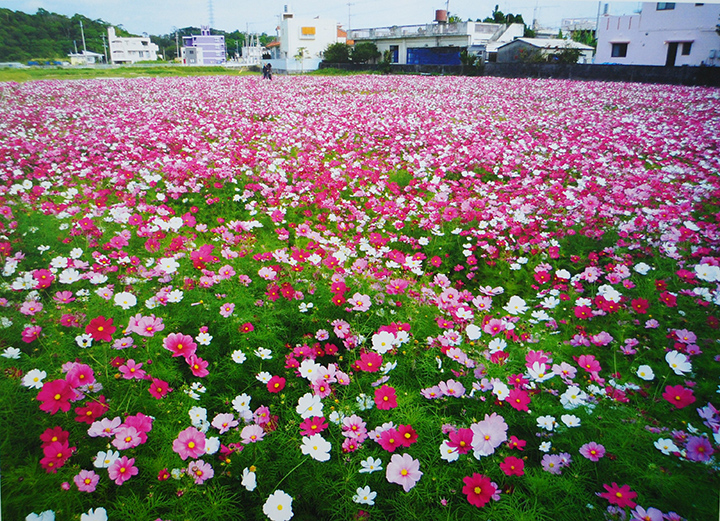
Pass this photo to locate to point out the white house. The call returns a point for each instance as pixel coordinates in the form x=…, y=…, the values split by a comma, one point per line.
x=438, y=43
x=548, y=49
x=662, y=33
x=204, y=48
x=306, y=37
x=130, y=50
x=85, y=58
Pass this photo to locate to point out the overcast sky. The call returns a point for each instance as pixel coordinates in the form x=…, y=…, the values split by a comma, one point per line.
x=161, y=16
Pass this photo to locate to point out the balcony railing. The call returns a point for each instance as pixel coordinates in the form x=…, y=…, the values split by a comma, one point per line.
x=409, y=31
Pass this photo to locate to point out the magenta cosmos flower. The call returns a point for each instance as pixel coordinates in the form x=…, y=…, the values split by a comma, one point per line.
x=385, y=398
x=180, y=345
x=101, y=328
x=122, y=470
x=403, y=470
x=478, y=489
x=190, y=443
x=592, y=451
x=620, y=496
x=55, y=396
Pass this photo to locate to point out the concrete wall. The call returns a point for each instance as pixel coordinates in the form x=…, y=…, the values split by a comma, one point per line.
x=649, y=34
x=707, y=76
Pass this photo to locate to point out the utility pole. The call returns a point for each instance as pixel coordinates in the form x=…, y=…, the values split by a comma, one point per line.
x=349, y=4
x=177, y=45
x=104, y=47
x=82, y=33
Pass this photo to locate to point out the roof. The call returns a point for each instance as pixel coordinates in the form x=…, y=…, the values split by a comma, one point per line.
x=551, y=43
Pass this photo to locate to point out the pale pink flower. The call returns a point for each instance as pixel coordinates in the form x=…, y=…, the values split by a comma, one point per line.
x=403, y=470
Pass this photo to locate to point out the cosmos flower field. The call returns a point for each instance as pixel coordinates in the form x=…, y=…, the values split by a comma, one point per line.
x=359, y=298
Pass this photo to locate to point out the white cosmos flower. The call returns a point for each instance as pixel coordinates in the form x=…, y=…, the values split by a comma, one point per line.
x=125, y=300
x=309, y=405
x=645, y=372
x=570, y=420
x=249, y=480
x=370, y=465
x=678, y=362
x=34, y=379
x=238, y=356
x=364, y=496
x=278, y=506
x=316, y=447
x=516, y=306
x=666, y=446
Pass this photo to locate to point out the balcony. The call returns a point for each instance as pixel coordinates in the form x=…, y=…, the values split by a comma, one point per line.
x=409, y=31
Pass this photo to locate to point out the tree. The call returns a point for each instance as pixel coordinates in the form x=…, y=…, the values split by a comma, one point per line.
x=336, y=53
x=569, y=54
x=498, y=17
x=300, y=56
x=364, y=52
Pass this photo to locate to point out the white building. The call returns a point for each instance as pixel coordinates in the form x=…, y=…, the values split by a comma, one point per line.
x=439, y=43
x=130, y=50
x=308, y=37
x=85, y=58
x=203, y=49
x=548, y=49
x=663, y=33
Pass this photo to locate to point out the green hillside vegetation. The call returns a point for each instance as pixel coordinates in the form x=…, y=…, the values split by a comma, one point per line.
x=49, y=36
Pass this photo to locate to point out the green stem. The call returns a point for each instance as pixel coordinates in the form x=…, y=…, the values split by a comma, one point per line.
x=291, y=471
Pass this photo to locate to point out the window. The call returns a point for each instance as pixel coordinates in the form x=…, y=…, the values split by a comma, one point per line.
x=665, y=6
x=619, y=50
x=686, y=46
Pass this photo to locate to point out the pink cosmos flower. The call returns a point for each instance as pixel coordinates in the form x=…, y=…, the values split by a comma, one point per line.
x=461, y=440
x=227, y=309
x=86, y=480
x=147, y=326
x=80, y=374
x=122, y=469
x=180, y=345
x=224, y=422
x=252, y=434
x=360, y=302
x=142, y=424
x=370, y=362
x=126, y=438
x=200, y=471
x=488, y=434
x=55, y=396
x=451, y=388
x=31, y=333
x=132, y=370
x=651, y=514
x=190, y=443
x=403, y=470
x=589, y=363
x=592, y=451
x=699, y=449
x=159, y=388
x=198, y=366
x=390, y=439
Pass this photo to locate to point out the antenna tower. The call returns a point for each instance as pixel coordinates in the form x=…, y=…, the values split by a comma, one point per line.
x=211, y=14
